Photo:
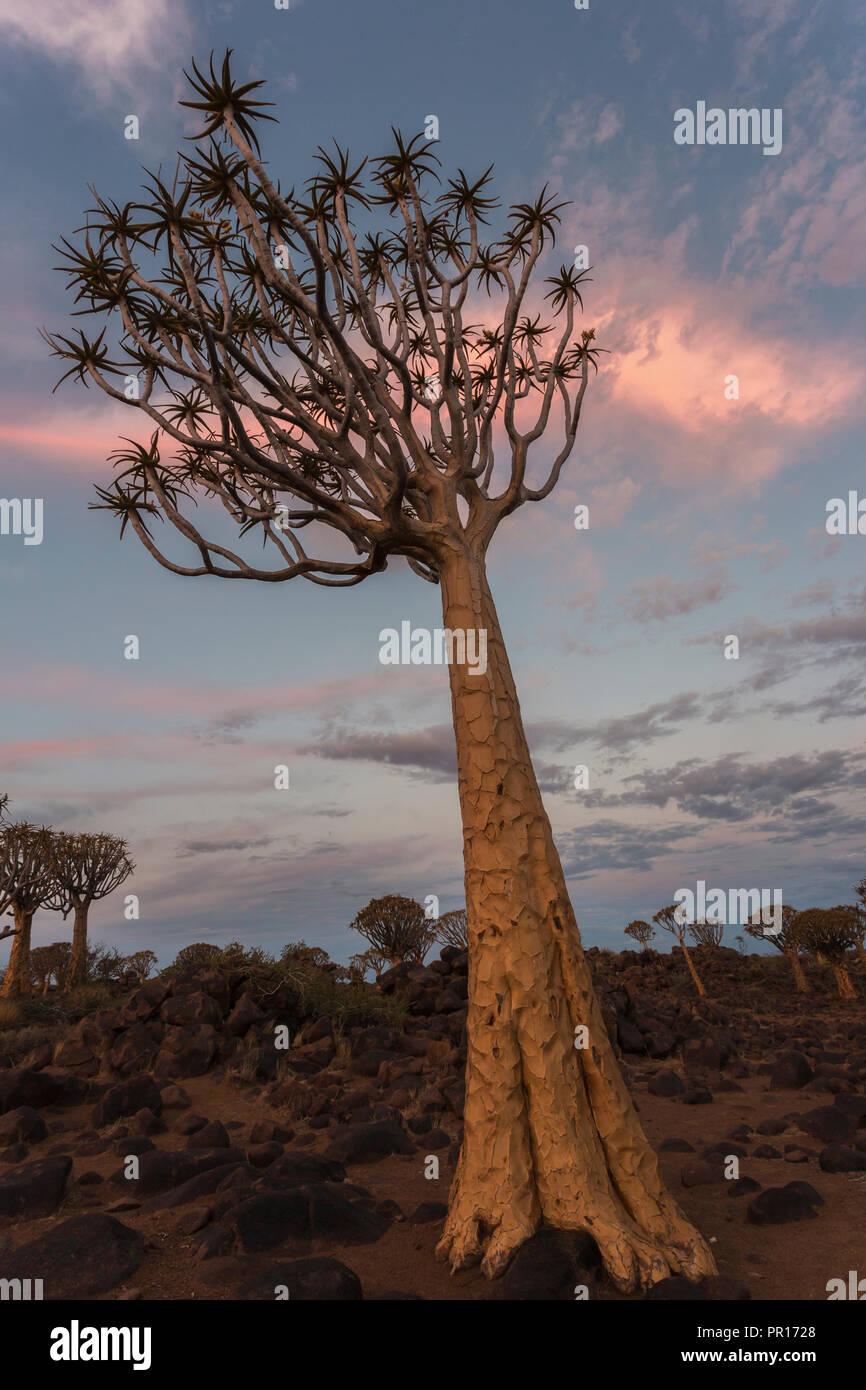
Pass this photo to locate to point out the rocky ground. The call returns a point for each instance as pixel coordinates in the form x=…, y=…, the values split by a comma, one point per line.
x=164, y=1149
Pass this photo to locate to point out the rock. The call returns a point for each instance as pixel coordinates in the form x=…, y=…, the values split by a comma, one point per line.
x=697, y=1097
x=676, y=1146
x=827, y=1123
x=133, y=1146
x=263, y=1155
x=191, y=1124
x=303, y=1216
x=295, y=1169
x=675, y=1288
x=34, y=1189
x=174, y=1098
x=772, y=1126
x=700, y=1174
x=741, y=1187
x=128, y=1097
x=548, y=1266
x=196, y=1007
x=264, y=1132
x=666, y=1083
x=22, y=1124
x=365, y=1143
x=436, y=1139
x=84, y=1256
x=190, y=1222
x=186, y=1051
x=245, y=1013
x=216, y=983
x=203, y=1185
x=145, y=1122
x=837, y=1159
x=852, y=1105
x=447, y=1002
x=776, y=1206
x=630, y=1038
x=766, y=1151
x=212, y=1136
x=791, y=1072
x=73, y=1053
x=706, y=1054
x=134, y=1050
x=146, y=1002
x=725, y=1287
x=426, y=1212
x=316, y=1278
x=161, y=1169
x=24, y=1086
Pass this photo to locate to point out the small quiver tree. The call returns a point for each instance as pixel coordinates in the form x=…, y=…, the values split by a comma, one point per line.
x=397, y=927
x=672, y=919
x=783, y=936
x=85, y=867
x=640, y=931
x=48, y=961
x=831, y=932
x=452, y=929
x=26, y=884
x=707, y=933
x=141, y=963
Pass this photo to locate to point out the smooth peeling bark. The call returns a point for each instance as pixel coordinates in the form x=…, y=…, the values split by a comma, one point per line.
x=843, y=982
x=76, y=972
x=550, y=1131
x=16, y=981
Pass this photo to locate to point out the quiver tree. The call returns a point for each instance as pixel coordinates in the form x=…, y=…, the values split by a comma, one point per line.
x=707, y=933
x=452, y=929
x=672, y=919
x=362, y=961
x=299, y=953
x=26, y=884
x=785, y=940
x=340, y=361
x=85, y=868
x=830, y=933
x=141, y=963
x=47, y=962
x=397, y=928
x=197, y=955
x=640, y=931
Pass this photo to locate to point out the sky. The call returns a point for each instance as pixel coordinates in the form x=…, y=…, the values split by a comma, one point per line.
x=707, y=510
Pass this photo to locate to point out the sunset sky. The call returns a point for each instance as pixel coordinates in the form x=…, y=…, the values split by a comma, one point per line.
x=707, y=515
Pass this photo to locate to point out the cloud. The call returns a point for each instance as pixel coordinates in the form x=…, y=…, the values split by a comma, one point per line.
x=608, y=844
x=110, y=44
x=663, y=597
x=430, y=750
x=193, y=847
x=731, y=789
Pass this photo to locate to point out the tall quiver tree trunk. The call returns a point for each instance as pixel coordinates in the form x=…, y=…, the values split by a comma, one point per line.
x=16, y=981
x=799, y=974
x=550, y=1129
x=76, y=971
